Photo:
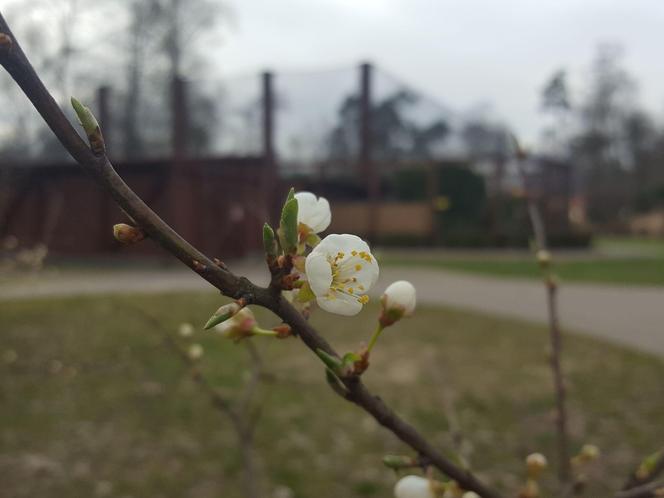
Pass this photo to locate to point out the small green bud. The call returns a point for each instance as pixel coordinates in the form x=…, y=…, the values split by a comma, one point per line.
x=269, y=241
x=288, y=227
x=90, y=126
x=397, y=462
x=649, y=464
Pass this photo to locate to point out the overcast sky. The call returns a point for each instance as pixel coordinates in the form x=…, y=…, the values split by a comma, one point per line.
x=462, y=52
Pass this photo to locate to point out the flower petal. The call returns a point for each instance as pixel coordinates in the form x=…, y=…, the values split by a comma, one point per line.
x=319, y=273
x=313, y=212
x=334, y=243
x=322, y=216
x=340, y=304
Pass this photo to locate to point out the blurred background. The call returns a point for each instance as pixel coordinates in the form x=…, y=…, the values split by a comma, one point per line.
x=400, y=113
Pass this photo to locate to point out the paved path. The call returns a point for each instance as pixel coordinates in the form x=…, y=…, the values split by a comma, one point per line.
x=629, y=315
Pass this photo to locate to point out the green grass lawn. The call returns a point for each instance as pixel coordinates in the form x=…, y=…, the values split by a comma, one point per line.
x=633, y=271
x=93, y=403
x=619, y=260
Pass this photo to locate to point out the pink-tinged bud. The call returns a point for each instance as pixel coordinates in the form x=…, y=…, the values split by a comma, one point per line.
x=241, y=325
x=127, y=234
x=398, y=301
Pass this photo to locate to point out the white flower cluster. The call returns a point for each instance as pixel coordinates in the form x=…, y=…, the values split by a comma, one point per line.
x=340, y=270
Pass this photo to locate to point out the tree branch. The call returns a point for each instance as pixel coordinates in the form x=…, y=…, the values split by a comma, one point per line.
x=15, y=62
x=555, y=334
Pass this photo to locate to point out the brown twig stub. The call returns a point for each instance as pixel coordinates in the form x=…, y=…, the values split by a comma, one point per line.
x=5, y=42
x=235, y=287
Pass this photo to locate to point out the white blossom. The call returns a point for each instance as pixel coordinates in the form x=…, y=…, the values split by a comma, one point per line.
x=413, y=487
x=340, y=271
x=313, y=212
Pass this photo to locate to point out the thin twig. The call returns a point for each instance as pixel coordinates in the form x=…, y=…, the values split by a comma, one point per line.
x=636, y=480
x=239, y=419
x=555, y=334
x=18, y=66
x=649, y=490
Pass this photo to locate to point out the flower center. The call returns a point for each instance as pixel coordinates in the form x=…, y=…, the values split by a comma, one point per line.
x=344, y=269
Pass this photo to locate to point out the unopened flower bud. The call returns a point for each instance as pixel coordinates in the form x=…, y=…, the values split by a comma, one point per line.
x=91, y=127
x=222, y=314
x=242, y=324
x=589, y=452
x=544, y=257
x=414, y=487
x=186, y=330
x=195, y=351
x=398, y=301
x=127, y=234
x=535, y=464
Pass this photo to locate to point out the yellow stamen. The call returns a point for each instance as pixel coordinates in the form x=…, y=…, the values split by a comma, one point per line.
x=363, y=299
x=358, y=267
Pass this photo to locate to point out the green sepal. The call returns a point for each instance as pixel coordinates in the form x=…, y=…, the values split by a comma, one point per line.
x=269, y=241
x=335, y=383
x=331, y=362
x=222, y=314
x=291, y=194
x=312, y=240
x=351, y=358
x=305, y=294
x=288, y=227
